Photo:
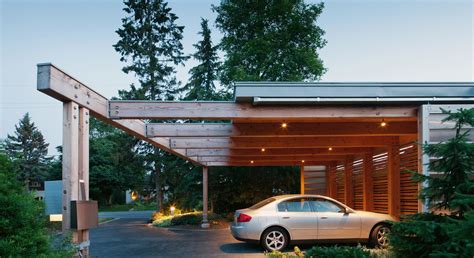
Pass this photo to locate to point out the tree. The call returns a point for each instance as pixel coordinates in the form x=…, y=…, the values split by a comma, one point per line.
x=28, y=150
x=150, y=43
x=201, y=85
x=22, y=221
x=270, y=40
x=449, y=233
x=114, y=165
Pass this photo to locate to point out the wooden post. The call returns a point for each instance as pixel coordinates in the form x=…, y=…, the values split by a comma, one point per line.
x=84, y=172
x=393, y=178
x=205, y=222
x=70, y=165
x=367, y=182
x=302, y=179
x=348, y=189
x=332, y=184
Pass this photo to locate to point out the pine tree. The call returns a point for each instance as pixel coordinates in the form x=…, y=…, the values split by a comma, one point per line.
x=28, y=150
x=201, y=85
x=150, y=44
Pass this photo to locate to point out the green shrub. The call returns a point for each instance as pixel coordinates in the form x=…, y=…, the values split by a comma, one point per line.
x=337, y=252
x=277, y=254
x=193, y=218
x=22, y=219
x=452, y=190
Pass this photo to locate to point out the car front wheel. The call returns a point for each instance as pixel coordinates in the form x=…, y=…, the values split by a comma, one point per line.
x=274, y=239
x=379, y=236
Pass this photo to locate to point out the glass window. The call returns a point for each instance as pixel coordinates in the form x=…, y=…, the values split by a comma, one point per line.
x=262, y=203
x=321, y=205
x=295, y=205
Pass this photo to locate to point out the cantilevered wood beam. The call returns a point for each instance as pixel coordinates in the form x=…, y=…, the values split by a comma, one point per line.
x=277, y=152
x=287, y=142
x=271, y=158
x=275, y=129
x=231, y=110
x=54, y=82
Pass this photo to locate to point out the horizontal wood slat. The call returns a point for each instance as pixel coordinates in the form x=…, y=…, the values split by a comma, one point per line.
x=275, y=129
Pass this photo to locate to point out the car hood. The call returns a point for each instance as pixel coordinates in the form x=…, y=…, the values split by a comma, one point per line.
x=368, y=214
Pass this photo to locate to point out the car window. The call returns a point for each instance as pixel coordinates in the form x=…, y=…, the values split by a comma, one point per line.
x=262, y=203
x=294, y=205
x=321, y=205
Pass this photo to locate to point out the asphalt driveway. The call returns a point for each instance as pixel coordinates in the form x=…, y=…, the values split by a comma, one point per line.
x=131, y=237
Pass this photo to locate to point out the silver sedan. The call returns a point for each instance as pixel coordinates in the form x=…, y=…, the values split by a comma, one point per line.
x=276, y=221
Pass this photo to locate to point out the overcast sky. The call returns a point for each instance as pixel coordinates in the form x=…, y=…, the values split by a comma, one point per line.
x=367, y=41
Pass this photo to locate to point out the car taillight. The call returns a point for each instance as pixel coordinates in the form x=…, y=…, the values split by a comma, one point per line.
x=243, y=218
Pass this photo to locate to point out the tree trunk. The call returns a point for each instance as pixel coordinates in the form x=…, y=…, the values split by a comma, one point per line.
x=159, y=195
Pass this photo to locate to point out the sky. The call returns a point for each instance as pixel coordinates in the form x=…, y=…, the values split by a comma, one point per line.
x=368, y=41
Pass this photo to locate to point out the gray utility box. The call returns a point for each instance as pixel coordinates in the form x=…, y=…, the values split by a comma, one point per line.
x=84, y=215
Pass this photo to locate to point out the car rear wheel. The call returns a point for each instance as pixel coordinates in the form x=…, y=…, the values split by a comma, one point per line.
x=274, y=239
x=379, y=236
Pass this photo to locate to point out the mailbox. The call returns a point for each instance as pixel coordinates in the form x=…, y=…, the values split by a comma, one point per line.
x=84, y=215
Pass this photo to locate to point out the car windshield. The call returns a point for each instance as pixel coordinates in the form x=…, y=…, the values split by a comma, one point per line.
x=262, y=203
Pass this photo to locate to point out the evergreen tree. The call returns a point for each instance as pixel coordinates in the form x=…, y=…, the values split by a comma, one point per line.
x=447, y=230
x=201, y=85
x=28, y=150
x=150, y=44
x=270, y=40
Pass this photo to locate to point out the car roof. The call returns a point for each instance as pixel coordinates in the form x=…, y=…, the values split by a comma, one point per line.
x=284, y=196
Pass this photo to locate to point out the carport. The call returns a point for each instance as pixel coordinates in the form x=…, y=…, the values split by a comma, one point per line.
x=352, y=141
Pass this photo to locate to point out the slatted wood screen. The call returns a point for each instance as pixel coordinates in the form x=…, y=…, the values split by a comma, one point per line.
x=357, y=168
x=315, y=180
x=379, y=178
x=340, y=183
x=408, y=188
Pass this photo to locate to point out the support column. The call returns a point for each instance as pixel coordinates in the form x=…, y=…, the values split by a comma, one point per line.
x=83, y=194
x=348, y=189
x=302, y=179
x=423, y=159
x=393, y=179
x=70, y=165
x=367, y=182
x=332, y=184
x=205, y=222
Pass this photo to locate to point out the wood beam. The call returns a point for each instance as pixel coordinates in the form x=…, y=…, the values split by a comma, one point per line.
x=264, y=163
x=70, y=165
x=287, y=142
x=393, y=180
x=367, y=182
x=276, y=152
x=269, y=158
x=348, y=188
x=54, y=82
x=244, y=111
x=83, y=177
x=275, y=129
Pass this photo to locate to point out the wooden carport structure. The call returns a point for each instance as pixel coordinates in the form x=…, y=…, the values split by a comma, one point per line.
x=351, y=140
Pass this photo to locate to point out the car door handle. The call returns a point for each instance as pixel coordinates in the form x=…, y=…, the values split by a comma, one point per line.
x=285, y=217
x=324, y=217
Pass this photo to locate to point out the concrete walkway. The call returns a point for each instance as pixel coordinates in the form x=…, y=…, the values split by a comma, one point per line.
x=131, y=237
